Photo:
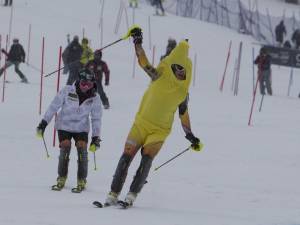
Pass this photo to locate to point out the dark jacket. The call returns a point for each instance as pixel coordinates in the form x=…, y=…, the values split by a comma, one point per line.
x=99, y=67
x=16, y=53
x=280, y=31
x=72, y=52
x=263, y=61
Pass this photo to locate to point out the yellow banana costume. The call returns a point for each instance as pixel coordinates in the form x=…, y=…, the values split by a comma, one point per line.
x=155, y=116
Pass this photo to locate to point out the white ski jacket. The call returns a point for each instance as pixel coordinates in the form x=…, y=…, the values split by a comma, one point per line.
x=73, y=117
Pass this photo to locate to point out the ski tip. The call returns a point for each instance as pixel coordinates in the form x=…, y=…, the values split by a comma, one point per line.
x=98, y=204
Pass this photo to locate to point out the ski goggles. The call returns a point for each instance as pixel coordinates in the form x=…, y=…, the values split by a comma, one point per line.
x=85, y=85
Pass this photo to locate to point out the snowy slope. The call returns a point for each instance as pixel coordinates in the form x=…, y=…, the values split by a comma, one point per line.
x=245, y=175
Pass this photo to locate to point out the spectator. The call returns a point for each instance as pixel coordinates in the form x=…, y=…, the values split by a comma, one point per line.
x=8, y=2
x=159, y=6
x=287, y=44
x=263, y=61
x=71, y=57
x=170, y=46
x=98, y=66
x=15, y=56
x=133, y=3
x=296, y=38
x=280, y=32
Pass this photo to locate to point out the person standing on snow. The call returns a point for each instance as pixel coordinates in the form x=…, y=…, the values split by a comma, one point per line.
x=167, y=91
x=98, y=66
x=15, y=56
x=280, y=32
x=158, y=5
x=263, y=61
x=78, y=103
x=8, y=2
x=87, y=53
x=71, y=58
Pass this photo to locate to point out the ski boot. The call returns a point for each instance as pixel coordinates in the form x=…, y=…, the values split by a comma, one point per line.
x=129, y=199
x=80, y=186
x=111, y=199
x=60, y=184
x=24, y=80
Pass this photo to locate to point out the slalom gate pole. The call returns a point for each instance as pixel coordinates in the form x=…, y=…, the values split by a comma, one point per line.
x=253, y=100
x=174, y=157
x=261, y=103
x=42, y=75
x=253, y=69
x=290, y=82
x=28, y=44
x=57, y=90
x=4, y=74
x=46, y=149
x=195, y=70
x=115, y=42
x=226, y=64
x=149, y=29
x=95, y=164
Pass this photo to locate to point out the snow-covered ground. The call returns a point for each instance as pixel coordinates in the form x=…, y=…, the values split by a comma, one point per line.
x=244, y=175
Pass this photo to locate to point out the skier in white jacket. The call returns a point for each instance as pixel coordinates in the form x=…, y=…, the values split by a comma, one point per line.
x=78, y=104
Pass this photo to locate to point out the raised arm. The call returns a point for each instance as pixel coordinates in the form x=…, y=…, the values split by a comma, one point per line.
x=137, y=35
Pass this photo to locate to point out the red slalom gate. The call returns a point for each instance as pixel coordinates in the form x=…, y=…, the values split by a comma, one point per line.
x=224, y=74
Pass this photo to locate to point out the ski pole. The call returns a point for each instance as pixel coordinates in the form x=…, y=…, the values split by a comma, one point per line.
x=261, y=102
x=48, y=156
x=49, y=74
x=95, y=164
x=185, y=150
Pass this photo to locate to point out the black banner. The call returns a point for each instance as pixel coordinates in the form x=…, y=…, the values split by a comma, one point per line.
x=284, y=56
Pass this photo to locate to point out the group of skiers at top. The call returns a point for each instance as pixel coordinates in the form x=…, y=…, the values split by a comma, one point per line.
x=168, y=91
x=281, y=33
x=156, y=3
x=79, y=55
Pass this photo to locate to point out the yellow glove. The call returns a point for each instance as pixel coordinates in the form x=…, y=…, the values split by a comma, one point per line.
x=95, y=144
x=41, y=129
x=197, y=147
x=129, y=33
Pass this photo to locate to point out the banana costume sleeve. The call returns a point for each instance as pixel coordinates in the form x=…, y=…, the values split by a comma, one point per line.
x=184, y=116
x=144, y=62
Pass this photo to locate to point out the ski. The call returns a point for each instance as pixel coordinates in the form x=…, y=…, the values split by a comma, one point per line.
x=100, y=205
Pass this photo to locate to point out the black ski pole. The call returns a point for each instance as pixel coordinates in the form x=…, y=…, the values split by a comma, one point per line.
x=49, y=74
x=48, y=156
x=261, y=102
x=185, y=150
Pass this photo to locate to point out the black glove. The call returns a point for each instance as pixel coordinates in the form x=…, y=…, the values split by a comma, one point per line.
x=106, y=83
x=195, y=141
x=41, y=128
x=95, y=144
x=3, y=50
x=137, y=35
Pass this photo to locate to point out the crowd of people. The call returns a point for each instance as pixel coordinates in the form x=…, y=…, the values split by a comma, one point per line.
x=281, y=37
